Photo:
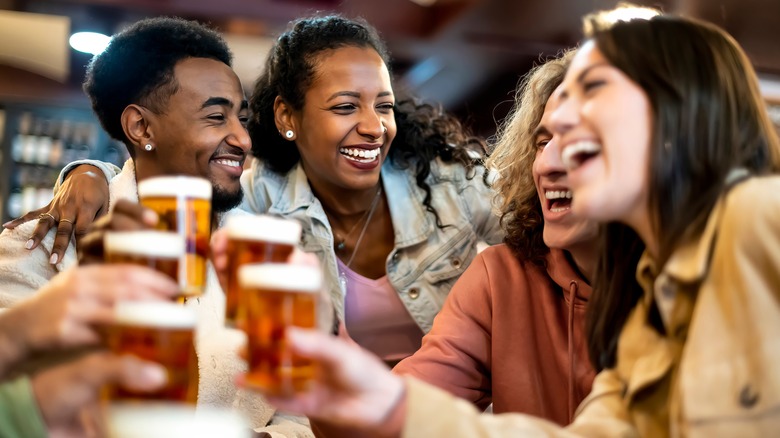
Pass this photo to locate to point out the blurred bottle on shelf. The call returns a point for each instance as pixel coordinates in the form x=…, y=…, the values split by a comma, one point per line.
x=55, y=155
x=43, y=148
x=20, y=139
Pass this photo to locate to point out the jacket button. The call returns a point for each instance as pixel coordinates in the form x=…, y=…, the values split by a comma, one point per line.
x=456, y=263
x=667, y=290
x=748, y=397
x=414, y=293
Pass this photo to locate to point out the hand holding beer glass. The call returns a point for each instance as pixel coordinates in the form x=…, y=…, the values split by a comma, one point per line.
x=159, y=250
x=183, y=204
x=254, y=239
x=277, y=296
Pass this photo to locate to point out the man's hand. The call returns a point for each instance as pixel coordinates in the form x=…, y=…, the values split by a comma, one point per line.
x=125, y=216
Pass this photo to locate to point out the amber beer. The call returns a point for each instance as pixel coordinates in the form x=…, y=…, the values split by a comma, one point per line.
x=278, y=296
x=255, y=239
x=183, y=204
x=161, y=332
x=159, y=250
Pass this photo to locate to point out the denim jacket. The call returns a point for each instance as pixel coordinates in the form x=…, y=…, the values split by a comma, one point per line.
x=426, y=260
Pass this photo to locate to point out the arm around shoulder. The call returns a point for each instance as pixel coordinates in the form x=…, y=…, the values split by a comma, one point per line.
x=109, y=170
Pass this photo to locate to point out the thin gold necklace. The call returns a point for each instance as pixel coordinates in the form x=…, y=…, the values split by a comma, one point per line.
x=374, y=203
x=339, y=242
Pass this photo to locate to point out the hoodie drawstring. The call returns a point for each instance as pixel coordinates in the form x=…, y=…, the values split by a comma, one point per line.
x=573, y=287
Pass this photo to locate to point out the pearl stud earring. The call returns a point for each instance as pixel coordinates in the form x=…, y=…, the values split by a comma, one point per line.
x=289, y=133
x=148, y=147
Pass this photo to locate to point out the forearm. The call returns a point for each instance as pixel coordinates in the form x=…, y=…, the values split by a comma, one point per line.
x=90, y=167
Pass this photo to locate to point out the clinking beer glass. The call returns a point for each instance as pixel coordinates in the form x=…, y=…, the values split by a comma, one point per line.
x=159, y=250
x=277, y=296
x=255, y=239
x=183, y=204
x=157, y=331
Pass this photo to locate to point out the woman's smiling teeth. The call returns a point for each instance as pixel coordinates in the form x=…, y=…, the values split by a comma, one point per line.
x=360, y=155
x=558, y=200
x=575, y=154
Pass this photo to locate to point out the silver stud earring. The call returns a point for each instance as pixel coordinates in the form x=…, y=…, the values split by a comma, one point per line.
x=148, y=147
x=289, y=133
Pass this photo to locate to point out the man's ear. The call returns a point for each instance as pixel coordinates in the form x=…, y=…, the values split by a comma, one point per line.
x=135, y=123
x=283, y=117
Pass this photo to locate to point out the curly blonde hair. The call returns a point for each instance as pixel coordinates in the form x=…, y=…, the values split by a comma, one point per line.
x=513, y=157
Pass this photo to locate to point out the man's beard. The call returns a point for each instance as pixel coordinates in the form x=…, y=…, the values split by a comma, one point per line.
x=223, y=200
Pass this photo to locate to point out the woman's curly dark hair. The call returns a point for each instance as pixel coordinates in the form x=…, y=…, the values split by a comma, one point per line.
x=424, y=132
x=137, y=67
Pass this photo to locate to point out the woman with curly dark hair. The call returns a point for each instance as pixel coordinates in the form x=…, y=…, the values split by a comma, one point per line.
x=390, y=193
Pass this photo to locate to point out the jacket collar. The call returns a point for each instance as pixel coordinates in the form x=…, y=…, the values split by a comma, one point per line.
x=689, y=263
x=403, y=197
x=560, y=269
x=123, y=186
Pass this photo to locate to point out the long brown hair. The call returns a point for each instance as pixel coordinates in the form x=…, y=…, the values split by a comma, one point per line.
x=514, y=155
x=709, y=118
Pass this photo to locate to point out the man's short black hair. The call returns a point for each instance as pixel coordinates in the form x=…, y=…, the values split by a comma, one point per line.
x=137, y=67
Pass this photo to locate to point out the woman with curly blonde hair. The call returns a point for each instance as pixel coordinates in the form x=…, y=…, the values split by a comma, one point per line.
x=513, y=324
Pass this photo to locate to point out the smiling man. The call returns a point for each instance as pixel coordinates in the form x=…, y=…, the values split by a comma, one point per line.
x=165, y=88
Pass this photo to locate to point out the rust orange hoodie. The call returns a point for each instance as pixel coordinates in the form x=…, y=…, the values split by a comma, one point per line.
x=511, y=333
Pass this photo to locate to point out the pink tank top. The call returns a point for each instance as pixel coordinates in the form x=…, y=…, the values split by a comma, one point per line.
x=377, y=319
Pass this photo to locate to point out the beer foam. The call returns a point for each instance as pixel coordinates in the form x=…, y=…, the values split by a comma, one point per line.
x=165, y=420
x=263, y=227
x=165, y=186
x=280, y=276
x=153, y=244
x=162, y=314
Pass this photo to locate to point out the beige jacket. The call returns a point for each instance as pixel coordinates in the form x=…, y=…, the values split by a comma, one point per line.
x=714, y=373
x=22, y=272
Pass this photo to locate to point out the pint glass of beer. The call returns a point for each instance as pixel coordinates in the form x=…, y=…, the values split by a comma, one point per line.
x=183, y=204
x=157, y=331
x=277, y=296
x=255, y=239
x=159, y=250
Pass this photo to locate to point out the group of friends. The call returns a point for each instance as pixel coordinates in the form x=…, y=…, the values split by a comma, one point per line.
x=629, y=286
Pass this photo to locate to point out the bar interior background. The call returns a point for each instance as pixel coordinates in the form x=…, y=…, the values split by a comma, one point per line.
x=466, y=54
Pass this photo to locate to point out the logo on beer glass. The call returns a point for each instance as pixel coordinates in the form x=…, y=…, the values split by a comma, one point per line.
x=157, y=331
x=159, y=250
x=277, y=296
x=255, y=239
x=183, y=204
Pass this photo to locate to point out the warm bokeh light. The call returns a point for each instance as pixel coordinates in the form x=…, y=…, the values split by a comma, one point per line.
x=89, y=42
